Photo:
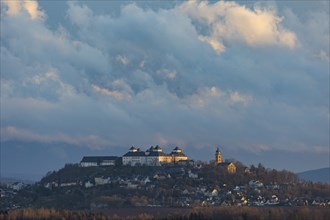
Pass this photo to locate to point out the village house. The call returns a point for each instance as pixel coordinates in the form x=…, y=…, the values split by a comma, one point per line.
x=231, y=168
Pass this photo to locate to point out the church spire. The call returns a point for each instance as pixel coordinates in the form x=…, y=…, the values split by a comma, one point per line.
x=218, y=158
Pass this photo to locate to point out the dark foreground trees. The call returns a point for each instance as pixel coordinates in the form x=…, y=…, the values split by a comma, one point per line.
x=259, y=213
x=241, y=213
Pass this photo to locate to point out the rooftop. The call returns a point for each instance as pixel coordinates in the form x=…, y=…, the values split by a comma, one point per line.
x=97, y=159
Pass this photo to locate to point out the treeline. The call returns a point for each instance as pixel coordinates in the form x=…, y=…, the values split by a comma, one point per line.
x=73, y=172
x=244, y=174
x=210, y=172
x=255, y=213
x=43, y=213
x=228, y=213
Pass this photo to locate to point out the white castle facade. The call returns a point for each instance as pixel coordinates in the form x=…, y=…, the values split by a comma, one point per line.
x=154, y=156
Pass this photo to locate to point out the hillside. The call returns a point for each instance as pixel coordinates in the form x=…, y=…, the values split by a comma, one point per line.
x=319, y=175
x=170, y=185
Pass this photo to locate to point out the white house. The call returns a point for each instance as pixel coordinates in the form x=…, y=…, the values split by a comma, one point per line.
x=102, y=181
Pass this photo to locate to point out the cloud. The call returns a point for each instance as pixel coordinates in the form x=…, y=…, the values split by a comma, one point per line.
x=119, y=95
x=14, y=7
x=214, y=43
x=229, y=21
x=19, y=134
x=104, y=91
x=296, y=148
x=236, y=97
x=124, y=60
x=310, y=28
x=150, y=75
x=30, y=6
x=213, y=95
x=79, y=14
x=167, y=74
x=323, y=56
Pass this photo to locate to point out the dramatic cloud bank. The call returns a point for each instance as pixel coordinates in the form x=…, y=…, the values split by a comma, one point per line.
x=23, y=6
x=253, y=79
x=229, y=21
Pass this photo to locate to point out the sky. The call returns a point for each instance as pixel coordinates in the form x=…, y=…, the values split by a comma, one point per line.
x=85, y=78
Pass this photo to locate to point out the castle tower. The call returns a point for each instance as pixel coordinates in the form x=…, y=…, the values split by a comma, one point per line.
x=218, y=158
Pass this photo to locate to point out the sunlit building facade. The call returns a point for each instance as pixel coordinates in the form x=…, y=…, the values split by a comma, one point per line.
x=154, y=156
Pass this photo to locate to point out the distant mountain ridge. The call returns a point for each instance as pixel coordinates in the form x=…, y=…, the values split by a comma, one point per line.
x=319, y=175
x=20, y=177
x=13, y=180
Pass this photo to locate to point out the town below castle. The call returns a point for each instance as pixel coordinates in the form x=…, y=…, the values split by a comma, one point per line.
x=154, y=156
x=154, y=178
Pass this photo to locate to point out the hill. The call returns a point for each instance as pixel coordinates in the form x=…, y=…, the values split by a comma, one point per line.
x=170, y=185
x=319, y=175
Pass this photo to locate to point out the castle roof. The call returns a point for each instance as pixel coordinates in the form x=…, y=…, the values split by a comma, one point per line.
x=225, y=164
x=134, y=154
x=153, y=152
x=180, y=154
x=157, y=153
x=150, y=149
x=157, y=149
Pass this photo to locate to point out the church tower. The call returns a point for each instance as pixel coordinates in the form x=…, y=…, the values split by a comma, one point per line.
x=218, y=158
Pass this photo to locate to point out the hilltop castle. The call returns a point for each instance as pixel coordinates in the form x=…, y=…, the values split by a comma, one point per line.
x=154, y=156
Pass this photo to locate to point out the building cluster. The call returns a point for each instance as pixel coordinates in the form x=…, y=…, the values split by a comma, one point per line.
x=230, y=166
x=191, y=190
x=154, y=156
x=194, y=183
